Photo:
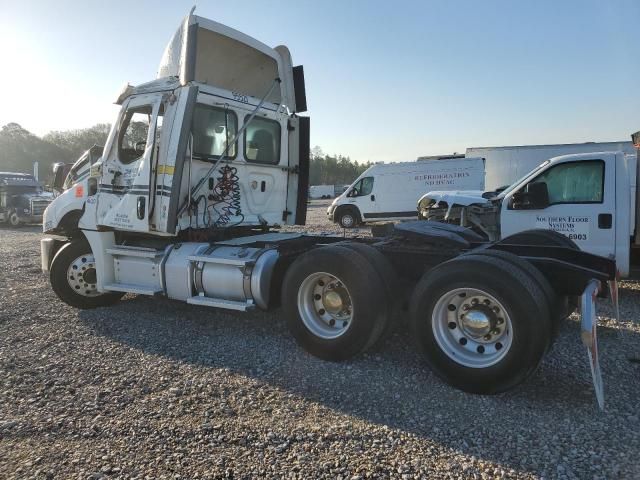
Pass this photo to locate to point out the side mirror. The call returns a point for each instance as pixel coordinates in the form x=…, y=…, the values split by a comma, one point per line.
x=59, y=175
x=538, y=195
x=535, y=197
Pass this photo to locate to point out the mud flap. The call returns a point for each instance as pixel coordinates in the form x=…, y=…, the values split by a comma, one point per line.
x=589, y=325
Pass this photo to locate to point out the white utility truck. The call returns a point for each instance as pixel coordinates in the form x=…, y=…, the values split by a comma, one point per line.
x=504, y=165
x=590, y=198
x=204, y=164
x=389, y=191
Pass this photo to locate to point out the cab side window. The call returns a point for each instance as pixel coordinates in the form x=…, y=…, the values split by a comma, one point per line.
x=262, y=141
x=362, y=188
x=574, y=182
x=212, y=129
x=132, y=139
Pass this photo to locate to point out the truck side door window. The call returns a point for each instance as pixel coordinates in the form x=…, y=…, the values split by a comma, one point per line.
x=212, y=129
x=367, y=186
x=132, y=138
x=362, y=188
x=574, y=182
x=262, y=141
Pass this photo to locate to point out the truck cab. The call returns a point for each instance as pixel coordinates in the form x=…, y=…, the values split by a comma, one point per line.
x=214, y=141
x=589, y=198
x=22, y=199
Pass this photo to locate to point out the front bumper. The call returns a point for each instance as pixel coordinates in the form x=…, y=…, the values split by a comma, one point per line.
x=330, y=211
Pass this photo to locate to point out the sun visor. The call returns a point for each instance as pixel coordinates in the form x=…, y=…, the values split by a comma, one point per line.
x=208, y=52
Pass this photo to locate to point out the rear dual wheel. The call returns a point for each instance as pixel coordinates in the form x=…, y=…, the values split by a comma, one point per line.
x=336, y=300
x=482, y=322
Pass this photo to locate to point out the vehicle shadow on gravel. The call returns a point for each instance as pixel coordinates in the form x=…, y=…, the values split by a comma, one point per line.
x=389, y=386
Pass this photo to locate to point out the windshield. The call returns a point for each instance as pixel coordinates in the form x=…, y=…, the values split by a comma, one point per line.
x=508, y=190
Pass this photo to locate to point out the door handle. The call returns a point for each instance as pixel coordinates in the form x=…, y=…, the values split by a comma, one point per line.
x=141, y=207
x=605, y=221
x=373, y=198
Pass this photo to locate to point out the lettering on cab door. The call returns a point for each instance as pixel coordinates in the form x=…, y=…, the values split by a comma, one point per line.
x=576, y=228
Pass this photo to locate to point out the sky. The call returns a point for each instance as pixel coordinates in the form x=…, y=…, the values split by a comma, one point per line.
x=386, y=80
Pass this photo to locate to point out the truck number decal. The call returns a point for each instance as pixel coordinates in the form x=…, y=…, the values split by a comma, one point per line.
x=575, y=228
x=239, y=97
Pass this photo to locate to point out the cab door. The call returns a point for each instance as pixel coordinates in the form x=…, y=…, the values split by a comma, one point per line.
x=575, y=198
x=128, y=171
x=362, y=195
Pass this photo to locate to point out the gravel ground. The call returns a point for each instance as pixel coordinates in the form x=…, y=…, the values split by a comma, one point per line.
x=156, y=389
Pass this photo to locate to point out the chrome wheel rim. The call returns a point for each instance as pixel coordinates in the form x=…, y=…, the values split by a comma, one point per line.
x=347, y=220
x=472, y=327
x=81, y=276
x=325, y=306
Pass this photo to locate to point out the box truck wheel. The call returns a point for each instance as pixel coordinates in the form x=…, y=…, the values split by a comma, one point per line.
x=14, y=219
x=348, y=217
x=73, y=277
x=480, y=322
x=335, y=302
x=538, y=236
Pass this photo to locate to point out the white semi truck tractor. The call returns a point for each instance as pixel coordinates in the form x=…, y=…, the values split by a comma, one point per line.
x=205, y=163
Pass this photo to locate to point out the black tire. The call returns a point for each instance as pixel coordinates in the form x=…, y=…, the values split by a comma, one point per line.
x=74, y=251
x=13, y=219
x=566, y=304
x=348, y=217
x=555, y=304
x=366, y=291
x=517, y=292
x=389, y=279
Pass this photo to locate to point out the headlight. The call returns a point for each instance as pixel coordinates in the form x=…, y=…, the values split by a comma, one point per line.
x=25, y=210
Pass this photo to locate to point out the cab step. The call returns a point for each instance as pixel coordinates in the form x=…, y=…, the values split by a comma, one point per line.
x=131, y=288
x=220, y=303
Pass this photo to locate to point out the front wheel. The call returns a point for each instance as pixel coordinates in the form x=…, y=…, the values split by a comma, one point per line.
x=73, y=277
x=14, y=219
x=348, y=218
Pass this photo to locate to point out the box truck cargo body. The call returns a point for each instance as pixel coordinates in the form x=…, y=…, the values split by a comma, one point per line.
x=505, y=165
x=390, y=191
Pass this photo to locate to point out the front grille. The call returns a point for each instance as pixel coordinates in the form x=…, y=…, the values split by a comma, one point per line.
x=38, y=206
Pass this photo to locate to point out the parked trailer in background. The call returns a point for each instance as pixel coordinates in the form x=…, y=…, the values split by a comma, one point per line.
x=389, y=191
x=188, y=204
x=505, y=165
x=321, y=191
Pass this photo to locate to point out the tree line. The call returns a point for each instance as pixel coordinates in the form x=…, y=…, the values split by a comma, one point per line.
x=19, y=149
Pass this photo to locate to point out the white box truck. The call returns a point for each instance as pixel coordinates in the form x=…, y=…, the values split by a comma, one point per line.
x=505, y=165
x=187, y=206
x=390, y=191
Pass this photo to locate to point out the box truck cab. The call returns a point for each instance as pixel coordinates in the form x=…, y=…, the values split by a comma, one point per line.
x=389, y=191
x=590, y=198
